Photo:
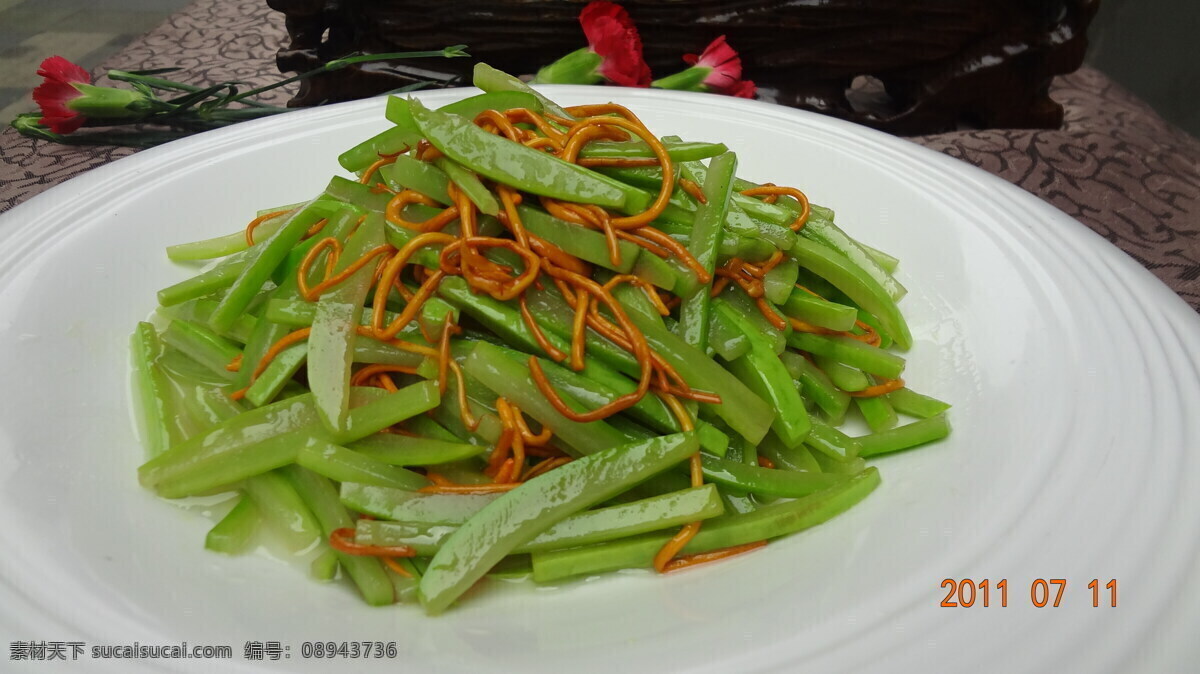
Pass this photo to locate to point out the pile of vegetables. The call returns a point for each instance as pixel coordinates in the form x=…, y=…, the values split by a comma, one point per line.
x=526, y=340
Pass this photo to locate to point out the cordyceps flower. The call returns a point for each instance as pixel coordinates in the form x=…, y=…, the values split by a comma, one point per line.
x=717, y=70
x=613, y=54
x=68, y=99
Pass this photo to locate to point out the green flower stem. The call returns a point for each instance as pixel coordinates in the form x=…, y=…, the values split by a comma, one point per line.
x=691, y=79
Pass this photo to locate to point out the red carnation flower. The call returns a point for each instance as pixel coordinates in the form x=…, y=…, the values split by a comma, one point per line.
x=725, y=76
x=611, y=35
x=717, y=70
x=68, y=99
x=614, y=51
x=57, y=90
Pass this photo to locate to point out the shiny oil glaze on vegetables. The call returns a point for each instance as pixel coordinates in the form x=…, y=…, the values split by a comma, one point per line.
x=527, y=340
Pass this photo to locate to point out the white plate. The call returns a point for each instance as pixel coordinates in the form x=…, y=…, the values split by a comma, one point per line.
x=1074, y=375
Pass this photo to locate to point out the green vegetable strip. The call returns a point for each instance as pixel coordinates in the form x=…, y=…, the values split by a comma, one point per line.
x=494, y=81
x=232, y=534
x=499, y=317
x=284, y=510
x=423, y=177
x=322, y=498
x=346, y=465
x=712, y=439
x=278, y=373
x=203, y=346
x=597, y=386
x=864, y=290
x=391, y=141
x=555, y=316
x=749, y=248
x=471, y=106
x=404, y=588
x=342, y=219
x=881, y=258
x=378, y=410
x=281, y=370
x=521, y=514
x=765, y=481
x=357, y=194
x=798, y=458
x=822, y=230
x=657, y=272
x=914, y=404
x=403, y=450
x=207, y=405
x=905, y=437
x=750, y=453
x=413, y=508
x=267, y=332
x=764, y=374
x=645, y=177
x=849, y=351
x=550, y=312
x=780, y=281
x=737, y=502
x=447, y=415
x=829, y=464
x=586, y=528
x=153, y=408
x=324, y=566
x=729, y=246
x=513, y=164
x=832, y=442
x=485, y=225
x=877, y=412
x=221, y=276
x=331, y=343
x=511, y=380
x=725, y=337
x=199, y=311
x=737, y=221
x=816, y=311
x=470, y=185
x=585, y=244
x=434, y=314
x=782, y=212
x=259, y=266
x=843, y=376
x=427, y=428
x=677, y=149
x=744, y=225
x=300, y=314
x=686, y=281
x=706, y=233
x=221, y=246
x=816, y=386
x=399, y=113
x=406, y=132
x=224, y=470
x=885, y=341
x=740, y=408
x=767, y=522
x=753, y=318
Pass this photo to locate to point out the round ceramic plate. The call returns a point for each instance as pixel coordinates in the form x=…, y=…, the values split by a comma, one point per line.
x=1073, y=373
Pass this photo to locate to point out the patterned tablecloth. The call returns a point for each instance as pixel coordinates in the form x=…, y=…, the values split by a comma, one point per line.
x=1115, y=166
